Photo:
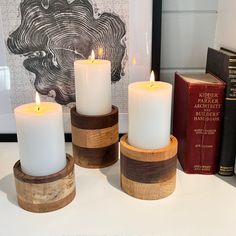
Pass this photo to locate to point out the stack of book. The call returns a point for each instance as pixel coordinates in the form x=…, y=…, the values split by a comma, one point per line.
x=222, y=63
x=205, y=116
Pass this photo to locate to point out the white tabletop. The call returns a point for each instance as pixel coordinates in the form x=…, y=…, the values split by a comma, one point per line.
x=201, y=205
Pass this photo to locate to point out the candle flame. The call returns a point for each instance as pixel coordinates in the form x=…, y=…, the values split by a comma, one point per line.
x=92, y=56
x=152, y=77
x=37, y=100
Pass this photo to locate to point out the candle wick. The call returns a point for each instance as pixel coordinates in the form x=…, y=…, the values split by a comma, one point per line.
x=152, y=84
x=38, y=108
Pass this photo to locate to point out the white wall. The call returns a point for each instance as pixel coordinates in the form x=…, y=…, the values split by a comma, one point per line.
x=226, y=24
x=188, y=29
x=2, y=45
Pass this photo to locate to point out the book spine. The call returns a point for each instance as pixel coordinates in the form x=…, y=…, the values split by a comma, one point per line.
x=228, y=144
x=204, y=128
x=197, y=125
x=231, y=82
x=232, y=72
x=218, y=64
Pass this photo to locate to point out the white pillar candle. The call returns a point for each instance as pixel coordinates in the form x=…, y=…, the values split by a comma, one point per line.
x=93, y=86
x=149, y=114
x=40, y=136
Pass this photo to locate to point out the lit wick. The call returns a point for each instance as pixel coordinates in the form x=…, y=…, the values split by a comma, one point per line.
x=152, y=79
x=92, y=56
x=37, y=100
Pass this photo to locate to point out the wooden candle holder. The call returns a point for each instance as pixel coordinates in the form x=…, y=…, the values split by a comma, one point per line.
x=148, y=174
x=45, y=193
x=95, y=139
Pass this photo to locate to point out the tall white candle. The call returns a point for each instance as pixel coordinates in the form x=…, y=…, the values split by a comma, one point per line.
x=40, y=136
x=93, y=86
x=149, y=114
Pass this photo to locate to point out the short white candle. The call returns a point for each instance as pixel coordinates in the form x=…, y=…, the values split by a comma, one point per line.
x=149, y=114
x=93, y=86
x=40, y=136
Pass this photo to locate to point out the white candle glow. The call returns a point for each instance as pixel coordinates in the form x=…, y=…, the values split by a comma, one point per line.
x=149, y=114
x=93, y=86
x=40, y=136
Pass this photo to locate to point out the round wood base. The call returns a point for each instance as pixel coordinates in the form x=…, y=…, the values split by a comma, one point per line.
x=95, y=139
x=45, y=193
x=148, y=174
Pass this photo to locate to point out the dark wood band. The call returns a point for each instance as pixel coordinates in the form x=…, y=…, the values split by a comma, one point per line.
x=94, y=122
x=96, y=157
x=21, y=176
x=148, y=172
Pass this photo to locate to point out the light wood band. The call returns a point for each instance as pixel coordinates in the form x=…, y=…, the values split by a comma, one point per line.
x=96, y=138
x=148, y=191
x=145, y=155
x=46, y=193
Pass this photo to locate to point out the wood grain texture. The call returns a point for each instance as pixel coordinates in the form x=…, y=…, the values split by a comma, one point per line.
x=95, y=138
x=153, y=191
x=94, y=122
x=21, y=176
x=48, y=193
x=48, y=207
x=96, y=157
x=148, y=174
x=148, y=155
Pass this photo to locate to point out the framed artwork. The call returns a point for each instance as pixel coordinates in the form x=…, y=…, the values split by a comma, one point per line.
x=40, y=39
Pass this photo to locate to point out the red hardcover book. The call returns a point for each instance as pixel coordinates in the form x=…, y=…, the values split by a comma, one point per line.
x=198, y=110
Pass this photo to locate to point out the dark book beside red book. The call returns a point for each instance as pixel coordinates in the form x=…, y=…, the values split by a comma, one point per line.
x=198, y=108
x=222, y=63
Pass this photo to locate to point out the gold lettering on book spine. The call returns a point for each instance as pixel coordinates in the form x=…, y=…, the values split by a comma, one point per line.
x=224, y=170
x=207, y=107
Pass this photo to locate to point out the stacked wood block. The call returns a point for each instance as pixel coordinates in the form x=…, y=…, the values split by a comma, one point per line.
x=148, y=174
x=45, y=193
x=95, y=139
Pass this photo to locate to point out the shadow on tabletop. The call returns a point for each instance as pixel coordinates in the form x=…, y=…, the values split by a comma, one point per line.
x=228, y=179
x=179, y=167
x=113, y=175
x=7, y=186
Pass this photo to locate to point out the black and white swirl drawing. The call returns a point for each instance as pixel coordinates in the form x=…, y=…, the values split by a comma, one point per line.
x=53, y=33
